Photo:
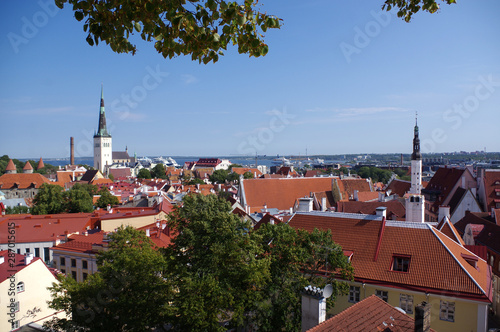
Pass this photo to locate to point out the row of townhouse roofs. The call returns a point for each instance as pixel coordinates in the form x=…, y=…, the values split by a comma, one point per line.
x=402, y=263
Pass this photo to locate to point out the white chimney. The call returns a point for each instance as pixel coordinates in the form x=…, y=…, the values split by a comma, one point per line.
x=314, y=305
x=305, y=204
x=323, y=204
x=2, y=259
x=381, y=211
x=271, y=221
x=463, y=181
x=356, y=197
x=147, y=232
x=29, y=258
x=444, y=211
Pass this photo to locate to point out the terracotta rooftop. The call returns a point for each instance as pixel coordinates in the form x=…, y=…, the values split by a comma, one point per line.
x=436, y=267
x=27, y=166
x=395, y=209
x=491, y=182
x=40, y=164
x=9, y=267
x=398, y=187
x=22, y=180
x=242, y=170
x=33, y=228
x=11, y=166
x=370, y=315
x=447, y=228
x=82, y=243
x=281, y=193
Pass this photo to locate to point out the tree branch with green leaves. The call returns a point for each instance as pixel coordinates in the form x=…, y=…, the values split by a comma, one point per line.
x=202, y=29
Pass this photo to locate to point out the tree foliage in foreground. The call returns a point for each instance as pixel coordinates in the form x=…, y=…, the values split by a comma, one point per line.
x=106, y=198
x=202, y=29
x=217, y=274
x=130, y=292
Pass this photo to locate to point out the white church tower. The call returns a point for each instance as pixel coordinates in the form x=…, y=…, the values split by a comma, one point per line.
x=103, y=155
x=414, y=199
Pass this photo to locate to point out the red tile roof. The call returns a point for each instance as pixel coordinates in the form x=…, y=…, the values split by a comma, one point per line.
x=486, y=232
x=491, y=182
x=394, y=208
x=40, y=164
x=242, y=170
x=312, y=173
x=11, y=166
x=436, y=264
x=366, y=196
x=42, y=228
x=82, y=243
x=22, y=180
x=398, y=187
x=444, y=180
x=447, y=228
x=371, y=314
x=281, y=193
x=266, y=219
x=27, y=166
x=120, y=172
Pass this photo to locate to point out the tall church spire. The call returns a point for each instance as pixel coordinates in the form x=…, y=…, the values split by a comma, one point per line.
x=102, y=131
x=416, y=155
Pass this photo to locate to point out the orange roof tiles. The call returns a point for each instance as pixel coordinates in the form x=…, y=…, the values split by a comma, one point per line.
x=242, y=170
x=40, y=164
x=368, y=315
x=44, y=227
x=11, y=166
x=434, y=266
x=82, y=243
x=394, y=208
x=491, y=182
x=27, y=166
x=365, y=196
x=22, y=180
x=281, y=193
x=100, y=181
x=447, y=228
x=398, y=187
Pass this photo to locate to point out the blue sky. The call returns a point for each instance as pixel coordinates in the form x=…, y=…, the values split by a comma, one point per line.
x=340, y=77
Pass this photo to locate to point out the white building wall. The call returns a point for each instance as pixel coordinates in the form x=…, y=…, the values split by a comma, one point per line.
x=30, y=247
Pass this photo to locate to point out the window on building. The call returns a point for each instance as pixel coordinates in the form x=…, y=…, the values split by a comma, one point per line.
x=16, y=306
x=27, y=250
x=73, y=262
x=406, y=303
x=73, y=274
x=19, y=251
x=46, y=254
x=382, y=294
x=84, y=275
x=20, y=287
x=15, y=325
x=63, y=271
x=84, y=265
x=447, y=311
x=400, y=263
x=353, y=294
x=37, y=252
x=62, y=261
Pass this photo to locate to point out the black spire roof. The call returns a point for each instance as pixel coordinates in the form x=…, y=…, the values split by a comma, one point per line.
x=102, y=131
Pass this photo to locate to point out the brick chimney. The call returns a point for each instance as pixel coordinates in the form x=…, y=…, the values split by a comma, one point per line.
x=423, y=317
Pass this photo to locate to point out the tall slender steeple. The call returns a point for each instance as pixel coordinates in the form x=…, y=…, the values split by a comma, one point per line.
x=415, y=201
x=103, y=155
x=102, y=131
x=416, y=155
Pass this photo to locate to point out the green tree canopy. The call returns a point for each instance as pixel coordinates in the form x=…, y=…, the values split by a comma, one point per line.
x=49, y=200
x=106, y=198
x=159, y=172
x=144, y=173
x=216, y=268
x=129, y=293
x=78, y=199
x=219, y=176
x=202, y=29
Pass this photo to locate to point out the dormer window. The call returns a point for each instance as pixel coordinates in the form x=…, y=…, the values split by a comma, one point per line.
x=400, y=263
x=497, y=182
x=472, y=260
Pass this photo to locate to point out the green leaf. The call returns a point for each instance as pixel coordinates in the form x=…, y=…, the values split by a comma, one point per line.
x=137, y=26
x=79, y=16
x=90, y=41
